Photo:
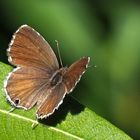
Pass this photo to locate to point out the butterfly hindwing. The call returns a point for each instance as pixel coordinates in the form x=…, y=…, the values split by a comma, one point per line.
x=25, y=85
x=52, y=101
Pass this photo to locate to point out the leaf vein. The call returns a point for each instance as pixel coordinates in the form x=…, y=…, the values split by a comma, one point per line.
x=36, y=122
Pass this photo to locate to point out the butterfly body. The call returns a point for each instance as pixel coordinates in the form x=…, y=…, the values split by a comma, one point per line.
x=57, y=77
x=38, y=80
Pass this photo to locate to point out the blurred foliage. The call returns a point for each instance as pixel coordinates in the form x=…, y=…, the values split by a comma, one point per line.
x=107, y=31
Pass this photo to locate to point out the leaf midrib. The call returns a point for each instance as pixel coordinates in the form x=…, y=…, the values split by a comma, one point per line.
x=36, y=123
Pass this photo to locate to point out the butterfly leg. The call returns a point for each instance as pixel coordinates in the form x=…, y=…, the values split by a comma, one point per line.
x=34, y=124
x=12, y=109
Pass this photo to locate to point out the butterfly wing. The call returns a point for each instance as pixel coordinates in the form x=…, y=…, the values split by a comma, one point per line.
x=52, y=101
x=36, y=63
x=74, y=73
x=56, y=94
x=29, y=48
x=25, y=86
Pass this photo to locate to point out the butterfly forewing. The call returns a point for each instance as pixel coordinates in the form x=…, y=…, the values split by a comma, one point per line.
x=29, y=48
x=74, y=73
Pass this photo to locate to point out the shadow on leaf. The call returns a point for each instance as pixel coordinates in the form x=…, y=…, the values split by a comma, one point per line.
x=69, y=105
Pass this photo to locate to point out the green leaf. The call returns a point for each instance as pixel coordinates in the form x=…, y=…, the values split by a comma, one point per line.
x=72, y=121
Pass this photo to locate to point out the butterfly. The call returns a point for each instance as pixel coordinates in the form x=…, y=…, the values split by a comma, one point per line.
x=38, y=79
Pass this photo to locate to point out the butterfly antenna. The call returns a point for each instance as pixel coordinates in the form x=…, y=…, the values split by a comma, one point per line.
x=92, y=66
x=57, y=45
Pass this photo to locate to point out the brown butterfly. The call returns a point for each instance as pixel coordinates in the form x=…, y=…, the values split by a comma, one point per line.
x=38, y=80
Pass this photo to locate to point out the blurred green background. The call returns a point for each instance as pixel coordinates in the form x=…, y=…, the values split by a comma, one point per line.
x=107, y=31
